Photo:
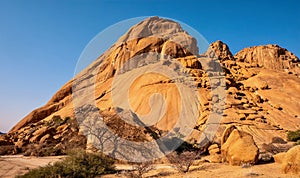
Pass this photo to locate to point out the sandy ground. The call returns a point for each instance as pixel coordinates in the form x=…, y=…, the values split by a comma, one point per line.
x=10, y=166
x=214, y=170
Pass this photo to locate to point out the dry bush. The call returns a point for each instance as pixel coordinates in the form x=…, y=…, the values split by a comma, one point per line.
x=6, y=149
x=183, y=161
x=139, y=169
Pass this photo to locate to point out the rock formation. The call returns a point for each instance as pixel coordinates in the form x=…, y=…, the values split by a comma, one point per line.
x=262, y=93
x=291, y=161
x=240, y=148
x=270, y=57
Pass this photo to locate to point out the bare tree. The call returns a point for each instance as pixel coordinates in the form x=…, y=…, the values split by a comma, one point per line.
x=184, y=160
x=143, y=168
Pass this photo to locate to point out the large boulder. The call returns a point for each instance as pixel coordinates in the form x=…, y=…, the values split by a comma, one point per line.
x=278, y=158
x=291, y=161
x=239, y=149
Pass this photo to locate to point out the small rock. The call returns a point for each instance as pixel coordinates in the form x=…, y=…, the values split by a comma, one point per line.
x=264, y=86
x=253, y=117
x=232, y=90
x=213, y=149
x=215, y=158
x=244, y=100
x=44, y=138
x=242, y=117
x=246, y=105
x=247, y=111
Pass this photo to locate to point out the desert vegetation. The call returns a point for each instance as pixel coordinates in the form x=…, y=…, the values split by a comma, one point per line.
x=182, y=161
x=78, y=163
x=294, y=136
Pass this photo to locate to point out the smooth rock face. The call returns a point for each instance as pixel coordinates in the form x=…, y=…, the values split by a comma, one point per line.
x=240, y=149
x=262, y=84
x=164, y=29
x=291, y=161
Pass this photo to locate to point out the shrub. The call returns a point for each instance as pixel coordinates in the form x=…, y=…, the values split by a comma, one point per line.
x=78, y=163
x=6, y=149
x=183, y=161
x=293, y=135
x=143, y=168
x=57, y=120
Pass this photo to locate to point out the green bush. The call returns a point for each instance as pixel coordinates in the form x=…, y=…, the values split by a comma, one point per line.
x=293, y=135
x=78, y=164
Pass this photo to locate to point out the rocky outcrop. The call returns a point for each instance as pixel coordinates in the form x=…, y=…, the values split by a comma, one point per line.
x=270, y=57
x=45, y=138
x=262, y=93
x=220, y=50
x=163, y=29
x=240, y=149
x=153, y=35
x=260, y=96
x=59, y=101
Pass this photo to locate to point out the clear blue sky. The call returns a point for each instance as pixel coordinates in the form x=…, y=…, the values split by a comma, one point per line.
x=41, y=40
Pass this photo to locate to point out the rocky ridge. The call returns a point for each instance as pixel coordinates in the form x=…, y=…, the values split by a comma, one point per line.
x=262, y=93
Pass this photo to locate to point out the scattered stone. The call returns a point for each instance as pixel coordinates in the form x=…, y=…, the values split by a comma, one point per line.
x=247, y=111
x=264, y=86
x=215, y=158
x=232, y=90
x=242, y=116
x=244, y=100
x=214, y=149
x=265, y=158
x=254, y=117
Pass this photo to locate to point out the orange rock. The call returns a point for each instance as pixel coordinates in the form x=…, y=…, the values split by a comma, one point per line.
x=291, y=161
x=239, y=149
